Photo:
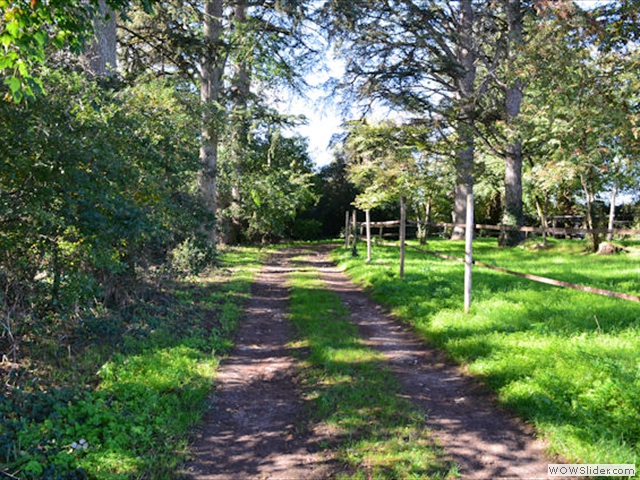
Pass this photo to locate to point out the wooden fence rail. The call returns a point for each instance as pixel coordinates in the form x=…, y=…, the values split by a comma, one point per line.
x=510, y=228
x=468, y=259
x=535, y=278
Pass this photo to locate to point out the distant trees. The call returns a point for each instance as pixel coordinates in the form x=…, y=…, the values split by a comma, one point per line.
x=580, y=116
x=244, y=46
x=388, y=161
x=419, y=57
x=545, y=82
x=119, y=172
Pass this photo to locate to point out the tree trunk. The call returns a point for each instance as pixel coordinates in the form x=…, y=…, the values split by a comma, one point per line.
x=427, y=222
x=403, y=232
x=241, y=86
x=542, y=213
x=211, y=68
x=346, y=230
x=368, y=222
x=513, y=212
x=100, y=58
x=465, y=86
x=589, y=197
x=354, y=229
x=612, y=210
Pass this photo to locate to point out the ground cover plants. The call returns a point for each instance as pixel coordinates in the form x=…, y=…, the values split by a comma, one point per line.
x=117, y=399
x=378, y=434
x=567, y=361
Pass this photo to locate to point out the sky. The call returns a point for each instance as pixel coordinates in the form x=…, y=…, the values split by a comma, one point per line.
x=322, y=111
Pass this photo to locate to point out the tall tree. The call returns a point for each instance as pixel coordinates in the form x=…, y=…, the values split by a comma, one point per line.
x=465, y=88
x=513, y=211
x=100, y=55
x=418, y=57
x=577, y=110
x=212, y=65
x=31, y=29
x=245, y=45
x=239, y=120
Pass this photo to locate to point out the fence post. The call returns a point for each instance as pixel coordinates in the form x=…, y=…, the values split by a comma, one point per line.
x=468, y=256
x=403, y=232
x=354, y=228
x=346, y=230
x=368, y=220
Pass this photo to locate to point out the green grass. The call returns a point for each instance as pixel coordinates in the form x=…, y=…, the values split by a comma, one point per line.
x=567, y=361
x=132, y=395
x=379, y=435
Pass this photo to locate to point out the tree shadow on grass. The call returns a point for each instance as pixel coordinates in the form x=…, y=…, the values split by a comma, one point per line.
x=555, y=356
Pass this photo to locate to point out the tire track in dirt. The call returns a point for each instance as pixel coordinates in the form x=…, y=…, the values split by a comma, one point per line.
x=255, y=427
x=484, y=440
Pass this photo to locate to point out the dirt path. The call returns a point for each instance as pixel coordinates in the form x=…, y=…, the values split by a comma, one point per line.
x=485, y=441
x=253, y=429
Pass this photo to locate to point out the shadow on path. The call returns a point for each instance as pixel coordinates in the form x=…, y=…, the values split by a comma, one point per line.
x=484, y=440
x=255, y=426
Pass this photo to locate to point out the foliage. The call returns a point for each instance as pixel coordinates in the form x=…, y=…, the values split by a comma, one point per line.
x=257, y=47
x=29, y=31
x=580, y=114
x=564, y=360
x=95, y=185
x=378, y=434
x=275, y=181
x=131, y=419
x=336, y=194
x=389, y=159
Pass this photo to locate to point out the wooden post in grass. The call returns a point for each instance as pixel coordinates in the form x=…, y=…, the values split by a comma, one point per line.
x=403, y=232
x=468, y=254
x=354, y=228
x=346, y=230
x=368, y=220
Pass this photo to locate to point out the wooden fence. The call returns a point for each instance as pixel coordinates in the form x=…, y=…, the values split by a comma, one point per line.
x=508, y=228
x=469, y=261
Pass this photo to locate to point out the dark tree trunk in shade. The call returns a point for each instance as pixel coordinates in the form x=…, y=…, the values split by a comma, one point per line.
x=513, y=211
x=465, y=84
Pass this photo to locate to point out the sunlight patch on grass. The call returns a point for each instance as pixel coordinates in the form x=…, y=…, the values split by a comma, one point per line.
x=567, y=361
x=381, y=435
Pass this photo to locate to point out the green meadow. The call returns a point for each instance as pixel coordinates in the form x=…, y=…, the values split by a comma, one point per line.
x=566, y=361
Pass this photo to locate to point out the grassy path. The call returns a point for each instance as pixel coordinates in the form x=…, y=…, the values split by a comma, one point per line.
x=375, y=430
x=256, y=426
x=323, y=384
x=484, y=441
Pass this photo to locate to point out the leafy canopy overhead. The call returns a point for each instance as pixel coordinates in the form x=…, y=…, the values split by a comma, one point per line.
x=30, y=28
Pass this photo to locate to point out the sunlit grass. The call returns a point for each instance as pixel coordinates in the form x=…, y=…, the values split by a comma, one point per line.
x=567, y=361
x=380, y=435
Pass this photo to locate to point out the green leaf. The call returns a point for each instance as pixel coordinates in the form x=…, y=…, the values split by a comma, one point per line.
x=14, y=84
x=41, y=38
x=5, y=62
x=13, y=28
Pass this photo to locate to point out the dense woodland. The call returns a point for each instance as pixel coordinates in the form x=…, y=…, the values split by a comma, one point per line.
x=139, y=136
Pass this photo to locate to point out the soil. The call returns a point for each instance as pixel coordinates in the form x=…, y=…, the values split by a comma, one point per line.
x=256, y=426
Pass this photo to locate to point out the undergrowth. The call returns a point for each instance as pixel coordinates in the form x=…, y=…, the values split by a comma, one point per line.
x=118, y=401
x=567, y=361
x=379, y=435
